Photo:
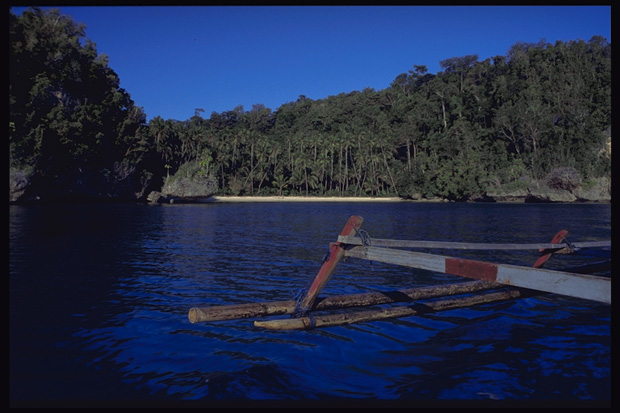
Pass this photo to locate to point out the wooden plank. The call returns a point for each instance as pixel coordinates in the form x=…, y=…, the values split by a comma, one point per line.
x=396, y=243
x=249, y=310
x=557, y=282
x=584, y=286
x=336, y=253
x=413, y=259
x=331, y=320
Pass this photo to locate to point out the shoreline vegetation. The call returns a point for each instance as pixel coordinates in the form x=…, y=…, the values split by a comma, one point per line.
x=531, y=126
x=299, y=199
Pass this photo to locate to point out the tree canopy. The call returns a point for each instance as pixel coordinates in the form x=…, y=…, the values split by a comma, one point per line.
x=454, y=134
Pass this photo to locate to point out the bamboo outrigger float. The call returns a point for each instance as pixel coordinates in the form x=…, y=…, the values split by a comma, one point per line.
x=493, y=282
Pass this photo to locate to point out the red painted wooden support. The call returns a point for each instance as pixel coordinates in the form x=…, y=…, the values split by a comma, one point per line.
x=559, y=237
x=336, y=252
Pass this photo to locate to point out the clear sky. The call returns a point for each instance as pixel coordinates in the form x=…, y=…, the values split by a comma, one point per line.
x=175, y=59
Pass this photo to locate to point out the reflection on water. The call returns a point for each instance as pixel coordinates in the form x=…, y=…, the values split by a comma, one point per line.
x=99, y=296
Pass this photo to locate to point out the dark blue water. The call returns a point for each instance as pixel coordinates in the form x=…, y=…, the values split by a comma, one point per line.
x=99, y=297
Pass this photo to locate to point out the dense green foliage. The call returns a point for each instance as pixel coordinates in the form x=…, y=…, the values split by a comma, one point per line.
x=473, y=126
x=69, y=121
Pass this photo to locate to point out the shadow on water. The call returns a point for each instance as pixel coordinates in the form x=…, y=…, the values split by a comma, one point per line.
x=99, y=296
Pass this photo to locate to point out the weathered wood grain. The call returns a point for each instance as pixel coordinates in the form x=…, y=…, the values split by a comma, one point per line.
x=249, y=310
x=332, y=320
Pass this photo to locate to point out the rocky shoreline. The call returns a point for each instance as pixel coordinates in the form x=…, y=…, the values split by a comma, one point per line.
x=183, y=192
x=598, y=191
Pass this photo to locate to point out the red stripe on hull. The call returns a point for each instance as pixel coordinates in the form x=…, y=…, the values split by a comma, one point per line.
x=471, y=269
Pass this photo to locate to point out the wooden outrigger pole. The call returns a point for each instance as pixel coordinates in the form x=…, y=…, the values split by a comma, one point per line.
x=249, y=310
x=332, y=320
x=489, y=276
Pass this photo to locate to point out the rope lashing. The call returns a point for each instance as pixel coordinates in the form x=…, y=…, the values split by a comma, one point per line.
x=312, y=321
x=327, y=255
x=365, y=241
x=298, y=311
x=570, y=246
x=364, y=236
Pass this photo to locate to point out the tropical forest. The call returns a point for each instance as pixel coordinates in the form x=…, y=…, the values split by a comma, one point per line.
x=540, y=116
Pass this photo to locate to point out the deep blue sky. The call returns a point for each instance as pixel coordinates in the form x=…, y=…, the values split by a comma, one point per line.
x=173, y=59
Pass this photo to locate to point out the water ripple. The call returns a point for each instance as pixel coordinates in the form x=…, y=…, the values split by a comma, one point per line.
x=100, y=295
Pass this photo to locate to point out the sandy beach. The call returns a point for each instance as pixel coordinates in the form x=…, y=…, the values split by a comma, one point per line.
x=300, y=199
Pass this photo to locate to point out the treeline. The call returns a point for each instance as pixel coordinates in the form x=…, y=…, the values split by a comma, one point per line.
x=72, y=129
x=474, y=126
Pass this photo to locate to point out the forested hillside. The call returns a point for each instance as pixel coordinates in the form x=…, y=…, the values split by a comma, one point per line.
x=540, y=113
